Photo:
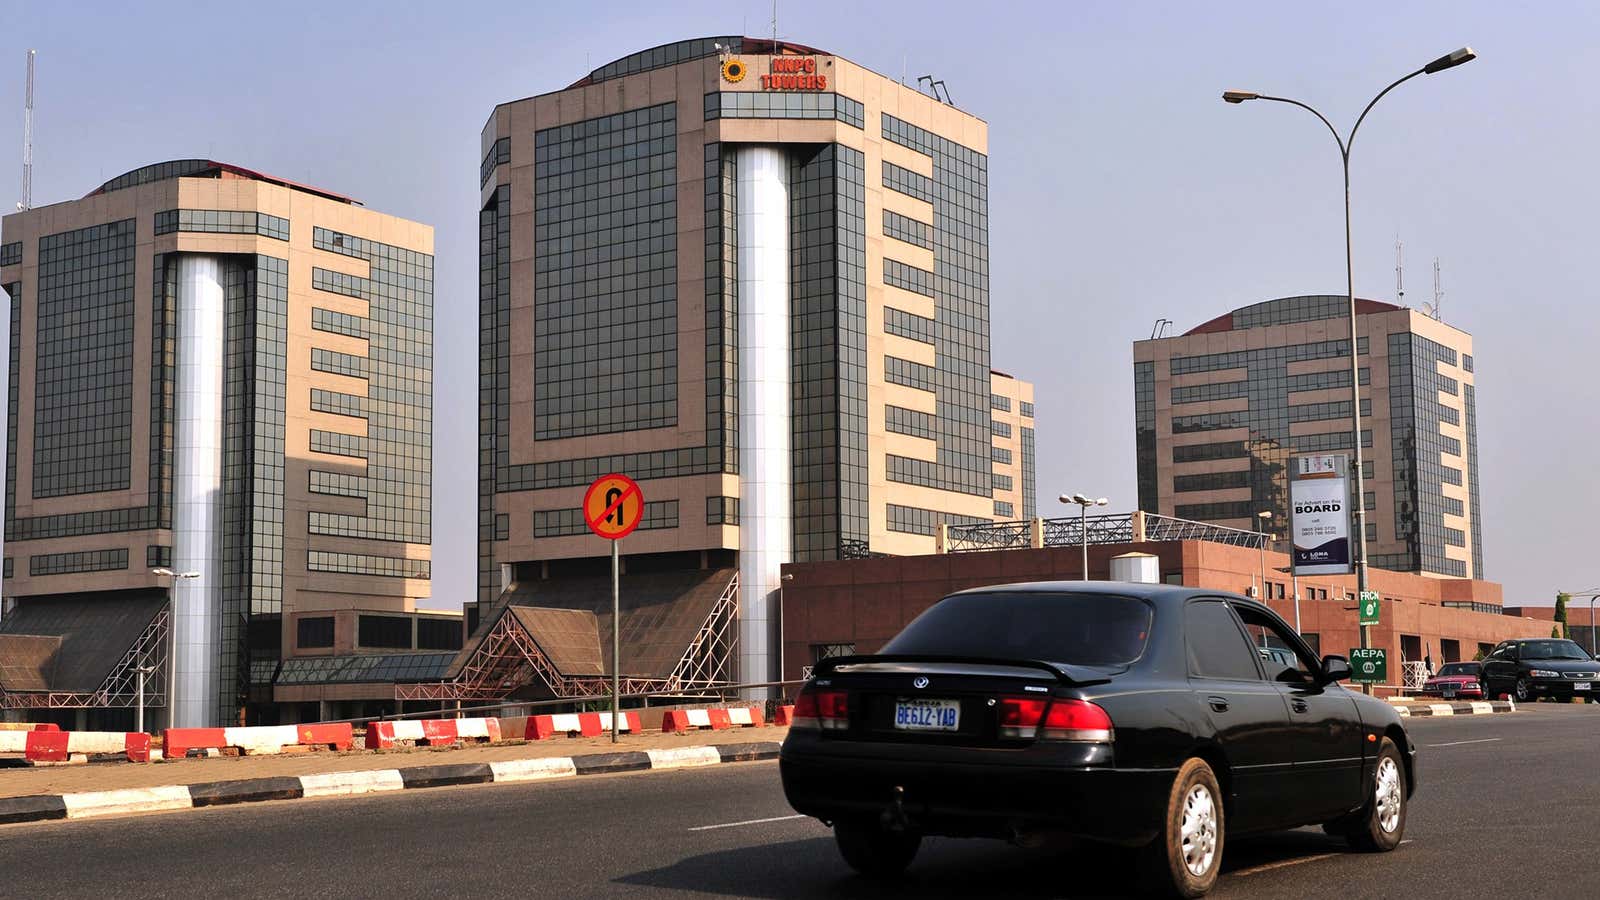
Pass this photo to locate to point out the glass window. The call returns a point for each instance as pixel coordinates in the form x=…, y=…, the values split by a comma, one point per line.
x=1217, y=647
x=1281, y=656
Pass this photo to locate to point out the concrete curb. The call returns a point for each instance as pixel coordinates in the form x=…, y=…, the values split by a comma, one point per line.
x=1472, y=708
x=41, y=808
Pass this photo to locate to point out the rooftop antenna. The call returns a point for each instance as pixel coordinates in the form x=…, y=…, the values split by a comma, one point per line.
x=1433, y=310
x=1160, y=328
x=774, y=27
x=27, y=141
x=1399, y=272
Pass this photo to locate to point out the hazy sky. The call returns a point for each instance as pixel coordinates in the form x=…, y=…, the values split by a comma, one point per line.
x=1123, y=189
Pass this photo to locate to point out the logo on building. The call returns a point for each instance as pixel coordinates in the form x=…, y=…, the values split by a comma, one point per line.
x=732, y=71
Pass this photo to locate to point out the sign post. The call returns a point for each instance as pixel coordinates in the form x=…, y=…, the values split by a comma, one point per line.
x=613, y=507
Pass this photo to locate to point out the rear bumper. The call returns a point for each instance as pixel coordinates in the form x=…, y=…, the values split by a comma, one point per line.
x=978, y=798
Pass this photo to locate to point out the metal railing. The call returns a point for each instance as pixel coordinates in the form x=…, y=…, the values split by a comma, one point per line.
x=718, y=693
x=1111, y=528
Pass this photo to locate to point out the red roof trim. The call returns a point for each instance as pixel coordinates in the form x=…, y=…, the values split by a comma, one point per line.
x=1224, y=322
x=251, y=174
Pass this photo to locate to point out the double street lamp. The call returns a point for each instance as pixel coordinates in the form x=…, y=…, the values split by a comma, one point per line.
x=1083, y=522
x=1448, y=61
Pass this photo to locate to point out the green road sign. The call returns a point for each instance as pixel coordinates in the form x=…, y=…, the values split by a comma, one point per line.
x=1369, y=666
x=1369, y=607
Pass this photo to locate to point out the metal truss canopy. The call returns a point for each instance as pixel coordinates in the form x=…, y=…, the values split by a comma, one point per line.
x=508, y=659
x=121, y=686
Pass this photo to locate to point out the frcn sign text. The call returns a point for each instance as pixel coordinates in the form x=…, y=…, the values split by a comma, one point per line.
x=793, y=73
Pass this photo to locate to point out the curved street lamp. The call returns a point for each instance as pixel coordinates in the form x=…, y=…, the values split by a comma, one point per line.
x=1448, y=61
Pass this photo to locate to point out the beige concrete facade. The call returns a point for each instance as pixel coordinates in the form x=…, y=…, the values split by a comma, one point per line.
x=1011, y=412
x=225, y=189
x=510, y=136
x=1418, y=396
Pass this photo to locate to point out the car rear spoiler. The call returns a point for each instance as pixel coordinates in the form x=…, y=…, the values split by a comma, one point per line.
x=1076, y=676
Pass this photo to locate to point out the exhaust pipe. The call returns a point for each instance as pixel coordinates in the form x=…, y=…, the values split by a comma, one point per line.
x=894, y=817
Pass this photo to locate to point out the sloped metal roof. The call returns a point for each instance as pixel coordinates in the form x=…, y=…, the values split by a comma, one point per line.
x=95, y=631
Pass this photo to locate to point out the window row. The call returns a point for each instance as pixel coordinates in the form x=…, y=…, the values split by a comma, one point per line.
x=549, y=523
x=914, y=422
x=809, y=105
x=907, y=325
x=78, y=561
x=222, y=221
x=366, y=564
x=913, y=520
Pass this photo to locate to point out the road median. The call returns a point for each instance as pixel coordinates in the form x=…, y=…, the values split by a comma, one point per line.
x=194, y=795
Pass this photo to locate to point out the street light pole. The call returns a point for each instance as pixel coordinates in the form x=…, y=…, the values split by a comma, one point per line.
x=1083, y=522
x=1263, y=518
x=172, y=638
x=1448, y=61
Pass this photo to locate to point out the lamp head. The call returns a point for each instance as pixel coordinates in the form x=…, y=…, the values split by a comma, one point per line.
x=1450, y=60
x=1239, y=96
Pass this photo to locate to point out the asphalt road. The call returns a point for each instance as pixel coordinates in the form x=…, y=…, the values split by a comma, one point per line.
x=1503, y=799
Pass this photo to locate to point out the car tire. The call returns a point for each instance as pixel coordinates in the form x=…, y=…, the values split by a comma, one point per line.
x=1524, y=691
x=875, y=851
x=1382, y=822
x=1185, y=858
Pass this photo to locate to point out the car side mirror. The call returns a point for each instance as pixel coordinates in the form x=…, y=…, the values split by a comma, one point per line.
x=1335, y=668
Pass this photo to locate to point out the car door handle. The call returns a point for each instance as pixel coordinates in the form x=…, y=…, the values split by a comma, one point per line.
x=1220, y=704
x=1299, y=706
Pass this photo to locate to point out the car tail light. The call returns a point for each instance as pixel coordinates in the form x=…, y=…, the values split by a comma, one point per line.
x=1063, y=719
x=821, y=710
x=1020, y=716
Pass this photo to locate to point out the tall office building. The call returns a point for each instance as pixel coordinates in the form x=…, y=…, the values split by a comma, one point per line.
x=755, y=277
x=228, y=378
x=1221, y=410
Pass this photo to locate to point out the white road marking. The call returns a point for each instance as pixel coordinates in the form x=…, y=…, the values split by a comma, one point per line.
x=1459, y=743
x=1285, y=863
x=747, y=822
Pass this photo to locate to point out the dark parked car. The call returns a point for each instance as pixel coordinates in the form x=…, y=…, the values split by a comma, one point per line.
x=1541, y=667
x=1457, y=679
x=1139, y=715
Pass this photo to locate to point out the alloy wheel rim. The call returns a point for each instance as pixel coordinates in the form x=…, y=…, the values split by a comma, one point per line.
x=1388, y=796
x=1199, y=834
x=1522, y=690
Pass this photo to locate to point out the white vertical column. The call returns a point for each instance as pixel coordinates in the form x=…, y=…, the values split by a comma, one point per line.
x=197, y=492
x=765, y=511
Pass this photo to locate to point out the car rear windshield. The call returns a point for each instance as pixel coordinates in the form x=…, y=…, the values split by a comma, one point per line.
x=1072, y=628
x=1553, y=650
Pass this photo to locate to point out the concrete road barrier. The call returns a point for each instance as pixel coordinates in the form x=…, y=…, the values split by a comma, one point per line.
x=1469, y=708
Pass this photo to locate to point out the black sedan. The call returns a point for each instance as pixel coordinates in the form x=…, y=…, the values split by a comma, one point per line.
x=1541, y=667
x=1138, y=715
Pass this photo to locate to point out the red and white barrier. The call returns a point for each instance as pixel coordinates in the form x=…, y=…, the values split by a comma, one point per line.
x=431, y=732
x=716, y=718
x=29, y=726
x=258, y=740
x=61, y=746
x=783, y=715
x=578, y=725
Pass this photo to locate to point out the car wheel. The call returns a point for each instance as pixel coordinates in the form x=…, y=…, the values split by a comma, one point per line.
x=1383, y=822
x=875, y=851
x=1524, y=691
x=1183, y=861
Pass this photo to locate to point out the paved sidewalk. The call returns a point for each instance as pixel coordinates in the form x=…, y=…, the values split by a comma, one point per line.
x=123, y=775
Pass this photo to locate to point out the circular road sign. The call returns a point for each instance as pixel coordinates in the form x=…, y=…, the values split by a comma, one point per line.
x=613, y=506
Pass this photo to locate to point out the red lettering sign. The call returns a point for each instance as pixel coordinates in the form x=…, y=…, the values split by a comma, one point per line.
x=793, y=73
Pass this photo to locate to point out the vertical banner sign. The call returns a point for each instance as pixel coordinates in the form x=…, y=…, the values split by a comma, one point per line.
x=613, y=507
x=1319, y=523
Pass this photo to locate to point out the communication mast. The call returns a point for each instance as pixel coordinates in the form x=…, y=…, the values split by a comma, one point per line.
x=27, y=141
x=1399, y=272
x=1433, y=310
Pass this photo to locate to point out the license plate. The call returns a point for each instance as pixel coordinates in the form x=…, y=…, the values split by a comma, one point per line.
x=927, y=715
x=1582, y=686
x=1449, y=692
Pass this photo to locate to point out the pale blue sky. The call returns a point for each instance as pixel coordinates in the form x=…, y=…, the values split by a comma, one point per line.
x=1123, y=189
